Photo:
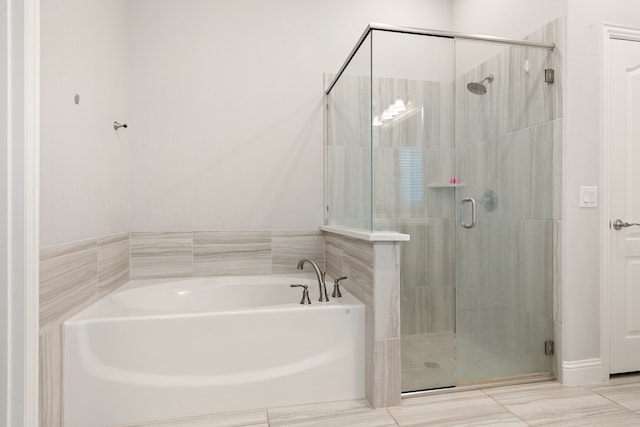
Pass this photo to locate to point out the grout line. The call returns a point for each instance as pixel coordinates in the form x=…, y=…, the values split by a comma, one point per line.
x=624, y=409
x=507, y=409
x=392, y=417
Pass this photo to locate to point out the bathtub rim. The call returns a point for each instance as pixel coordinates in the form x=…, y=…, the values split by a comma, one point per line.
x=348, y=300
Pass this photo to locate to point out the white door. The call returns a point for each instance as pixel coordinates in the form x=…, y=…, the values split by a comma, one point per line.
x=624, y=191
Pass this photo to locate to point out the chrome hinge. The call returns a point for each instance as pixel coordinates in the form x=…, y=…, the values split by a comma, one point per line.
x=549, y=75
x=548, y=347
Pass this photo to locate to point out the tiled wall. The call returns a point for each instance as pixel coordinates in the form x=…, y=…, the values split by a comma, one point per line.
x=207, y=253
x=373, y=275
x=72, y=276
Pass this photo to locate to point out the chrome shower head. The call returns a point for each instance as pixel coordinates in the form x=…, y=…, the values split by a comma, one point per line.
x=478, y=88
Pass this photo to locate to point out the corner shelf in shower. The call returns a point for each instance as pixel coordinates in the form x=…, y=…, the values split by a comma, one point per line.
x=446, y=185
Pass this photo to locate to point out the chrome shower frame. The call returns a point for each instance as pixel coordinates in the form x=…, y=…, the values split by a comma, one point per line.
x=435, y=33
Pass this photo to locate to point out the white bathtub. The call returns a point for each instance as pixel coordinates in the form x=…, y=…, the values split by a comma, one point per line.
x=162, y=349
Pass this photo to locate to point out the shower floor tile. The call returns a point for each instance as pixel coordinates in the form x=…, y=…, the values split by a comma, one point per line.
x=427, y=361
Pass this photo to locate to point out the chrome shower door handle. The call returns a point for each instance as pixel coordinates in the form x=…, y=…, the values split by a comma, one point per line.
x=619, y=224
x=473, y=213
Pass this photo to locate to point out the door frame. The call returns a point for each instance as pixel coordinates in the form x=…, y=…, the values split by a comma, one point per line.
x=19, y=199
x=610, y=32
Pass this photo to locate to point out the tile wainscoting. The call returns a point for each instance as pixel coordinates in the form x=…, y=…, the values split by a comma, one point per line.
x=75, y=275
x=72, y=277
x=215, y=253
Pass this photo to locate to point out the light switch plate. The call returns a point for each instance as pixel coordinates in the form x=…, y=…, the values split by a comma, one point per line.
x=588, y=196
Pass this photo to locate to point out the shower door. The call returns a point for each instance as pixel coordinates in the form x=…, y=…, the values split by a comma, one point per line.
x=458, y=139
x=504, y=150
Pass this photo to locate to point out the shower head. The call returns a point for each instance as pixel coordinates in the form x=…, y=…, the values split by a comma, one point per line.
x=478, y=88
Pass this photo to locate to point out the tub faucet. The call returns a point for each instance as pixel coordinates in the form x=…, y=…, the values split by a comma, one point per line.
x=319, y=274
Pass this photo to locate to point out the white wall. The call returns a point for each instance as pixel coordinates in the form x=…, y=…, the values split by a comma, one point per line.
x=583, y=129
x=504, y=18
x=227, y=106
x=84, y=167
x=501, y=18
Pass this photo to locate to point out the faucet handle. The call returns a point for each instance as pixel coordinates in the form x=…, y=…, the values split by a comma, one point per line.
x=336, y=287
x=305, y=293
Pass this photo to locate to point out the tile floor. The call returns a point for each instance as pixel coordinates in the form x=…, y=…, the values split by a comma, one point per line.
x=615, y=403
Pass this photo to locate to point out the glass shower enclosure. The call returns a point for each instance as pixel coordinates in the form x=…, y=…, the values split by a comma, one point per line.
x=451, y=140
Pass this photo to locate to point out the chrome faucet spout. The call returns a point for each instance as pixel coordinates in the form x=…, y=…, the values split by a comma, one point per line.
x=319, y=274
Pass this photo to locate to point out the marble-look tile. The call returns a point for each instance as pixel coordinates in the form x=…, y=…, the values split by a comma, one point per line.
x=413, y=270
x=349, y=173
x=525, y=184
x=439, y=166
x=51, y=386
x=455, y=409
x=349, y=110
x=557, y=268
x=56, y=251
x=627, y=395
x=358, y=264
x=350, y=412
x=387, y=373
x=231, y=252
x=441, y=308
x=299, y=412
x=626, y=418
x=387, y=290
x=357, y=418
x=66, y=283
x=250, y=418
x=558, y=350
x=387, y=192
x=556, y=180
x=113, y=238
x=439, y=246
x=168, y=254
x=113, y=265
x=288, y=247
x=414, y=310
x=539, y=404
x=369, y=351
x=333, y=255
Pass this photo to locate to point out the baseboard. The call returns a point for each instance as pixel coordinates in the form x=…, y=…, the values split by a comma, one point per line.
x=579, y=372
